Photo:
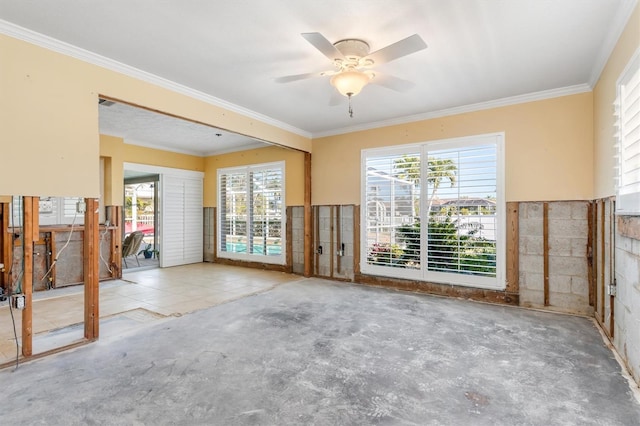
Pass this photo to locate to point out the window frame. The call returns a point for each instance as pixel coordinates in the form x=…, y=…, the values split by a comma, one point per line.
x=252, y=257
x=627, y=200
x=424, y=274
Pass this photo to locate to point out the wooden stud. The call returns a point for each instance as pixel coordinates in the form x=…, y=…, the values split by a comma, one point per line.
x=590, y=253
x=35, y=223
x=338, y=239
x=513, y=246
x=308, y=224
x=602, y=258
x=91, y=270
x=356, y=240
x=54, y=253
x=114, y=214
x=545, y=250
x=6, y=247
x=27, y=276
x=332, y=210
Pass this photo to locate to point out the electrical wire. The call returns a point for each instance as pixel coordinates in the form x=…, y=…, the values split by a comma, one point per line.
x=106, y=229
x=63, y=247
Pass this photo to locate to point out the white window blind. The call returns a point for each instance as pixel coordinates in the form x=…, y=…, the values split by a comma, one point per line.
x=628, y=138
x=251, y=213
x=435, y=212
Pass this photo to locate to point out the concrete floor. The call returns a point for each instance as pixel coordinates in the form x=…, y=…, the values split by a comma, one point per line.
x=58, y=313
x=317, y=352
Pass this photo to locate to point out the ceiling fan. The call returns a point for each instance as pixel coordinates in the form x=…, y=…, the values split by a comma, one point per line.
x=352, y=63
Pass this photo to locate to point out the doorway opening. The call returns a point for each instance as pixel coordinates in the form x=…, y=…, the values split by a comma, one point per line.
x=140, y=246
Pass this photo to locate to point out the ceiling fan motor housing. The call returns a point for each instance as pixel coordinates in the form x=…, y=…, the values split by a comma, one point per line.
x=352, y=49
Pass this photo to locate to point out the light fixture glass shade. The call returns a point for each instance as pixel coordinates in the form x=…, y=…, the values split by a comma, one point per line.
x=350, y=83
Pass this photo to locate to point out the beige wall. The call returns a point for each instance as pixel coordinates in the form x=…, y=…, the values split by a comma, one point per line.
x=49, y=119
x=604, y=96
x=294, y=171
x=116, y=152
x=549, y=149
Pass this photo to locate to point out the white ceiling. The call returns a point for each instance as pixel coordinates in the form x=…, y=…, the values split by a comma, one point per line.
x=229, y=52
x=146, y=128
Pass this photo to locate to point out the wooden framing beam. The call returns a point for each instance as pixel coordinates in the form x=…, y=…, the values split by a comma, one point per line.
x=513, y=248
x=6, y=245
x=332, y=252
x=356, y=240
x=545, y=250
x=602, y=258
x=338, y=239
x=114, y=214
x=308, y=219
x=316, y=234
x=590, y=253
x=27, y=274
x=91, y=269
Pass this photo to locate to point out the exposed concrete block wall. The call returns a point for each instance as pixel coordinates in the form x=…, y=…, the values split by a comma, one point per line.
x=209, y=233
x=568, y=227
x=344, y=263
x=323, y=241
x=626, y=336
x=334, y=226
x=297, y=236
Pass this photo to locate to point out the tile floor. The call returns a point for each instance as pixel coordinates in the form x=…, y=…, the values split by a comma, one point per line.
x=148, y=293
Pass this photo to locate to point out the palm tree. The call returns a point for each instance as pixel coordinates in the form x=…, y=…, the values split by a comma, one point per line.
x=438, y=170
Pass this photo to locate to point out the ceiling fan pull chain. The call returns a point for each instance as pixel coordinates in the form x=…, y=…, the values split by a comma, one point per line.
x=350, y=109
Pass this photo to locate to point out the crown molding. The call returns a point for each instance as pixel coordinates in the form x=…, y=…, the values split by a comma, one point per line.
x=24, y=34
x=617, y=27
x=512, y=100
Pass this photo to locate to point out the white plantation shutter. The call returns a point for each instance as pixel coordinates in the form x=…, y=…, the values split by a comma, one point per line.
x=181, y=240
x=628, y=138
x=435, y=211
x=251, y=213
x=468, y=205
x=193, y=221
x=391, y=195
x=233, y=211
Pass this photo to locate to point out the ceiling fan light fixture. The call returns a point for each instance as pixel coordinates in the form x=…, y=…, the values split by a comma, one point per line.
x=350, y=83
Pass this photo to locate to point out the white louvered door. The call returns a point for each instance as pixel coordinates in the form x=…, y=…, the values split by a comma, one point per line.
x=181, y=220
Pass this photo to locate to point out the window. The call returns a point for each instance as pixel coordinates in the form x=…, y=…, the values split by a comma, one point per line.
x=627, y=109
x=251, y=219
x=52, y=211
x=435, y=211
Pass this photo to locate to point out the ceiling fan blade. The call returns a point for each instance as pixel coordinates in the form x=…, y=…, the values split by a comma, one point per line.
x=323, y=45
x=398, y=49
x=296, y=77
x=393, y=83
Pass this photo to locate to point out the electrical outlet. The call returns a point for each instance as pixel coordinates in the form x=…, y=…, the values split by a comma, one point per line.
x=18, y=301
x=81, y=206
